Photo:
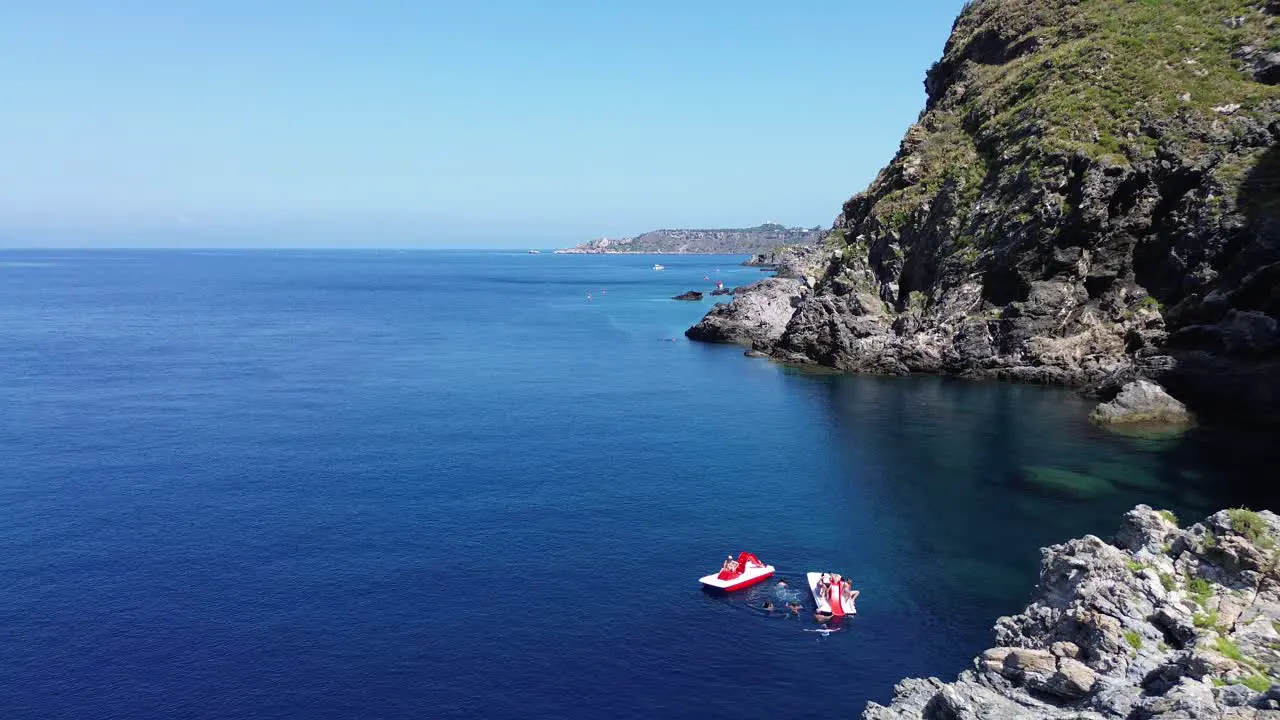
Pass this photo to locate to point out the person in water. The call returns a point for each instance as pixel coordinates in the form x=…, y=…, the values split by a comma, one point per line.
x=794, y=607
x=768, y=606
x=782, y=583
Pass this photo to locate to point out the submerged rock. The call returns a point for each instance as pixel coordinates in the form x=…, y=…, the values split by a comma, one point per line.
x=691, y=295
x=1163, y=624
x=1142, y=402
x=1068, y=483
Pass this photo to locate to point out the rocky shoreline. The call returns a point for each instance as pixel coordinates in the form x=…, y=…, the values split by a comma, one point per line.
x=756, y=317
x=1159, y=622
x=1040, y=238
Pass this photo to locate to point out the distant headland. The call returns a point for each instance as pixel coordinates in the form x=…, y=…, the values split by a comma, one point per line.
x=735, y=241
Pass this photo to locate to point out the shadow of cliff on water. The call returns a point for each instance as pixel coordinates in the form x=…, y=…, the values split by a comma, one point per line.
x=974, y=477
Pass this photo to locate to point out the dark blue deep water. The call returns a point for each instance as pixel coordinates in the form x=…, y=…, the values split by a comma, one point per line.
x=436, y=485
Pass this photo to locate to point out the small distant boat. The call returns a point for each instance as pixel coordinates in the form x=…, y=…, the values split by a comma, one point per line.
x=659, y=267
x=747, y=571
x=830, y=600
x=535, y=252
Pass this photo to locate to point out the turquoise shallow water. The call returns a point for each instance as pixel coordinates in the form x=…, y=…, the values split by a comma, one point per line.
x=403, y=485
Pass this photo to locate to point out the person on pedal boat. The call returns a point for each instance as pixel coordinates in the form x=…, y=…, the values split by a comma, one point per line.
x=730, y=564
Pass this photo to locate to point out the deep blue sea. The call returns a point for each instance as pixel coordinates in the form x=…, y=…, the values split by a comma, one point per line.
x=333, y=484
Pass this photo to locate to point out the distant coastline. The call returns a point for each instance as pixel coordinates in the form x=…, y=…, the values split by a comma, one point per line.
x=575, y=251
x=733, y=241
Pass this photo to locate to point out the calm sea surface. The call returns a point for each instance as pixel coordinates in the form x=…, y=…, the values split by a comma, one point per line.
x=445, y=484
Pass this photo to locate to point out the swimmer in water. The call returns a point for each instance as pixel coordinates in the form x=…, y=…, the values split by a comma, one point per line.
x=768, y=606
x=822, y=617
x=782, y=583
x=794, y=607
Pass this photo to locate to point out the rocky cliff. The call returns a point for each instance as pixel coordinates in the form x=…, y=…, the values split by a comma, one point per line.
x=1159, y=622
x=722, y=242
x=1088, y=197
x=794, y=261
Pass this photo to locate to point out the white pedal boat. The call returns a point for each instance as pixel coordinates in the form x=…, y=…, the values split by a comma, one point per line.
x=830, y=602
x=749, y=572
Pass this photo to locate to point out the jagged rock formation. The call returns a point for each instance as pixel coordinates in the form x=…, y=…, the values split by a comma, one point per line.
x=713, y=242
x=757, y=315
x=1089, y=197
x=1157, y=623
x=690, y=295
x=795, y=261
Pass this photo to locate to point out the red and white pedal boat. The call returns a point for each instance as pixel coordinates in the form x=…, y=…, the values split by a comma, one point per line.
x=830, y=600
x=750, y=571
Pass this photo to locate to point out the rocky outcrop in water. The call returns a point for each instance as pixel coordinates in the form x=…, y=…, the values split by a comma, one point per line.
x=1157, y=623
x=1089, y=197
x=756, y=316
x=690, y=295
x=719, y=242
x=1141, y=402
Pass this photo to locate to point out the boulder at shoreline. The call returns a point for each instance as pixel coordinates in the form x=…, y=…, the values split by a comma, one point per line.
x=1142, y=402
x=1159, y=623
x=757, y=315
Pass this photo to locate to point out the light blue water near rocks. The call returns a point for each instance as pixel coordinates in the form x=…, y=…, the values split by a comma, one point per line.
x=443, y=484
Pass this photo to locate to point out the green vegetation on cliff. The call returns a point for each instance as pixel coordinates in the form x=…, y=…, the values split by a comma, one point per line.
x=1101, y=66
x=1090, y=196
x=1037, y=82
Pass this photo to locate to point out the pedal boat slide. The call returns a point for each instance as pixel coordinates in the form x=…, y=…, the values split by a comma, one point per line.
x=750, y=571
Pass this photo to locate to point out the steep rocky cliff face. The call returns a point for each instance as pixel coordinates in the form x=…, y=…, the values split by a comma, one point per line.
x=1089, y=196
x=1159, y=622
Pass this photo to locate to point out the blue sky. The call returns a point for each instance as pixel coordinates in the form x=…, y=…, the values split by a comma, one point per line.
x=481, y=123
